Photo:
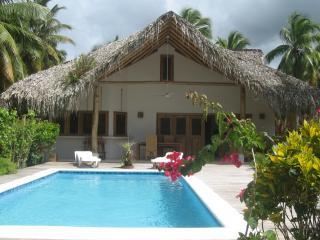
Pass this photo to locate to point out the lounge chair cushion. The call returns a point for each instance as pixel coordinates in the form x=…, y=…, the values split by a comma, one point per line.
x=164, y=159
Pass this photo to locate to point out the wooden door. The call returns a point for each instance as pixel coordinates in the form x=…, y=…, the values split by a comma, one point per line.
x=195, y=134
x=180, y=127
x=183, y=130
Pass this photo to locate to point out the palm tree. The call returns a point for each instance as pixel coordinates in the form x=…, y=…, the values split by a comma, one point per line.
x=48, y=55
x=13, y=15
x=235, y=41
x=194, y=17
x=11, y=66
x=298, y=55
x=313, y=75
x=29, y=36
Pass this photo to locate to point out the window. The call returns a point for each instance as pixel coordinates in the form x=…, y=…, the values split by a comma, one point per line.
x=86, y=123
x=248, y=116
x=120, y=124
x=80, y=123
x=166, y=68
x=73, y=124
x=181, y=126
x=165, y=126
x=103, y=124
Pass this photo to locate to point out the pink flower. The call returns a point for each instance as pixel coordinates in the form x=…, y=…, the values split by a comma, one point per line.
x=237, y=163
x=241, y=194
x=174, y=156
x=173, y=168
x=318, y=110
x=233, y=158
x=190, y=158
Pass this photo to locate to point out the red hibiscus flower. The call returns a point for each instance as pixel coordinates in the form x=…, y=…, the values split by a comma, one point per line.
x=241, y=194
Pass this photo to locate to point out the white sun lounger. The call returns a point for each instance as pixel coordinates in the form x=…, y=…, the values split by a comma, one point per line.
x=164, y=159
x=86, y=157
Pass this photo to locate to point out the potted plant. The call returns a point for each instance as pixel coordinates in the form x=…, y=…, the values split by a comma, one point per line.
x=127, y=157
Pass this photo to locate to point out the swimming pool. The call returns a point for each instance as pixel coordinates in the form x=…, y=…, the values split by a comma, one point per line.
x=96, y=203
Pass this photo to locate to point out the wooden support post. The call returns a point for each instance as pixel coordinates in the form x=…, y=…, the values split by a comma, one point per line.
x=242, y=102
x=292, y=121
x=95, y=119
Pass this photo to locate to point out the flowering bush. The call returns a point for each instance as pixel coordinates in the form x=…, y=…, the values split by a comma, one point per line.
x=233, y=158
x=175, y=166
x=178, y=166
x=241, y=135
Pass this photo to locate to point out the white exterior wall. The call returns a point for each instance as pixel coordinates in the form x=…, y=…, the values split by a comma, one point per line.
x=146, y=98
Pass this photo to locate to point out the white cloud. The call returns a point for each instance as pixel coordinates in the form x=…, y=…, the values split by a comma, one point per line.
x=97, y=21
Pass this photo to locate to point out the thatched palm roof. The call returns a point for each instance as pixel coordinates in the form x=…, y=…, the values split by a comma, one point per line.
x=47, y=92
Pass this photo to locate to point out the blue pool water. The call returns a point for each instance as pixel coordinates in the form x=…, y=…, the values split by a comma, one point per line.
x=105, y=200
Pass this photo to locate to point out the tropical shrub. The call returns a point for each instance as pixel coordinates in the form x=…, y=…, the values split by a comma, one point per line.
x=286, y=190
x=44, y=138
x=27, y=140
x=7, y=166
x=7, y=125
x=127, y=157
x=267, y=235
x=24, y=130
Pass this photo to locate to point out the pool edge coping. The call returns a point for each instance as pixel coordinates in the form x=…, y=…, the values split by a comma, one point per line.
x=229, y=217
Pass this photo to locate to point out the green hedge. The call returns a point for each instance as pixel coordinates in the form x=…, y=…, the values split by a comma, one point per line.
x=25, y=140
x=7, y=166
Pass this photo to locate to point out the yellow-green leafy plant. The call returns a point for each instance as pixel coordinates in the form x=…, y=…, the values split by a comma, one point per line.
x=81, y=66
x=286, y=189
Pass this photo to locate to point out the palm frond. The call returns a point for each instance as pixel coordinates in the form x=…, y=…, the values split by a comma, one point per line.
x=60, y=38
x=278, y=51
x=22, y=34
x=24, y=10
x=194, y=17
x=6, y=68
x=222, y=42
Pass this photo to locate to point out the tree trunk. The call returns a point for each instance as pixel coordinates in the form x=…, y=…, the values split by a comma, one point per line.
x=242, y=102
x=95, y=120
x=292, y=121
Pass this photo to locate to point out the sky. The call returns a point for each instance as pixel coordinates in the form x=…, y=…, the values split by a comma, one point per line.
x=97, y=21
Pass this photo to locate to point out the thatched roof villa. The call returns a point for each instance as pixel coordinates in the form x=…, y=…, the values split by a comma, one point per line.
x=132, y=91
